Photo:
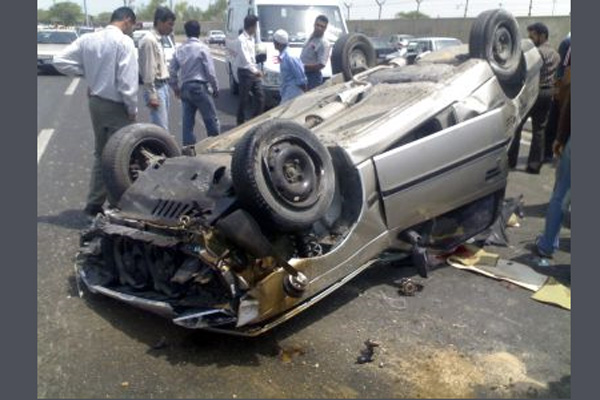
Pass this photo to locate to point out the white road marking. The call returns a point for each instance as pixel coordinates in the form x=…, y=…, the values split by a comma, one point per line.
x=525, y=142
x=219, y=58
x=43, y=139
x=72, y=87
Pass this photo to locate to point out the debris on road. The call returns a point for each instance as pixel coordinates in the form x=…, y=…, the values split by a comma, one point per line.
x=287, y=354
x=125, y=384
x=161, y=344
x=367, y=354
x=407, y=287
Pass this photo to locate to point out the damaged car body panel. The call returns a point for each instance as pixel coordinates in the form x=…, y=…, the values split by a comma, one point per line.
x=256, y=225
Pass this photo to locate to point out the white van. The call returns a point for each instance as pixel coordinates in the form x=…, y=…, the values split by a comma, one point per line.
x=296, y=17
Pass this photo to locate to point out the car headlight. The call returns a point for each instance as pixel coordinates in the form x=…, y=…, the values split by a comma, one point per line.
x=271, y=78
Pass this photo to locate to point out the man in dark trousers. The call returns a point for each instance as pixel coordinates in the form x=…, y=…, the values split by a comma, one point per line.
x=107, y=61
x=315, y=53
x=193, y=61
x=249, y=76
x=538, y=33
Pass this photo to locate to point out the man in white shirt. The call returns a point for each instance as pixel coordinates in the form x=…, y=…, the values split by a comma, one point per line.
x=154, y=69
x=107, y=61
x=249, y=76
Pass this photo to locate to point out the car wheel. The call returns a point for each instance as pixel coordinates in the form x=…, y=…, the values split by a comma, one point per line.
x=352, y=53
x=131, y=150
x=283, y=175
x=495, y=37
x=233, y=85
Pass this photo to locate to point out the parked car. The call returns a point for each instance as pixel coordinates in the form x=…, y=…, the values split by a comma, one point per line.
x=50, y=42
x=216, y=37
x=382, y=47
x=243, y=231
x=421, y=46
x=82, y=30
x=400, y=41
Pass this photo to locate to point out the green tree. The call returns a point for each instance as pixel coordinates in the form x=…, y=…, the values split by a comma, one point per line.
x=412, y=15
x=146, y=13
x=215, y=11
x=66, y=13
x=43, y=16
x=103, y=18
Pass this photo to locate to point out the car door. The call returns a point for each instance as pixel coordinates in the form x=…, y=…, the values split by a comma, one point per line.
x=443, y=170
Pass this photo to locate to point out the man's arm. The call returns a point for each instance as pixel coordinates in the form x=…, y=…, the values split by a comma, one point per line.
x=70, y=60
x=147, y=64
x=173, y=71
x=127, y=77
x=209, y=67
x=298, y=71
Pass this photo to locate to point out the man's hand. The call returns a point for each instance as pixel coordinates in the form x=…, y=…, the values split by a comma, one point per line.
x=177, y=93
x=557, y=148
x=154, y=103
x=132, y=117
x=215, y=94
x=258, y=74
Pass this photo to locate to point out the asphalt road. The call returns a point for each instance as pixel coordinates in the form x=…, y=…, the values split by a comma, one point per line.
x=464, y=335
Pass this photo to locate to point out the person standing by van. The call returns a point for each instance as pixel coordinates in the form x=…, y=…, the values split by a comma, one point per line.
x=249, y=76
x=293, y=79
x=315, y=53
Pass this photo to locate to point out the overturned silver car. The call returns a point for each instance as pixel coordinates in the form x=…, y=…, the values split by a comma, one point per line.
x=245, y=230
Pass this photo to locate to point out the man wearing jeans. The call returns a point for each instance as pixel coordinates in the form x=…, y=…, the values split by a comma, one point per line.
x=153, y=67
x=195, y=65
x=249, y=76
x=107, y=60
x=548, y=242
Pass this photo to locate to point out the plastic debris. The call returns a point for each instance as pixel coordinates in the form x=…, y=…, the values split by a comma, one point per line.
x=408, y=287
x=367, y=354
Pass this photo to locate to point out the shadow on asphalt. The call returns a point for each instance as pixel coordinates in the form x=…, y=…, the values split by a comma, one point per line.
x=182, y=346
x=70, y=219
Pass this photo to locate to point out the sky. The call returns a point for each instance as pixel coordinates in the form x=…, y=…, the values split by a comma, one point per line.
x=368, y=9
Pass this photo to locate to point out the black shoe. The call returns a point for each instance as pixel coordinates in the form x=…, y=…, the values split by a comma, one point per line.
x=93, y=210
x=533, y=171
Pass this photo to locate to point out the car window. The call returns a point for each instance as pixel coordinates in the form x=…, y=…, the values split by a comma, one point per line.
x=49, y=37
x=419, y=46
x=448, y=43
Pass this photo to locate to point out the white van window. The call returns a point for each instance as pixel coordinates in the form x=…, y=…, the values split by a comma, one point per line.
x=298, y=21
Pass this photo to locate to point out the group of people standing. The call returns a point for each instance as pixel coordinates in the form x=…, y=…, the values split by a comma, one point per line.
x=297, y=75
x=107, y=59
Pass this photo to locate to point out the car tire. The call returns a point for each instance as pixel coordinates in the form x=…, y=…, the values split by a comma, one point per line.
x=283, y=175
x=352, y=53
x=233, y=85
x=122, y=161
x=495, y=37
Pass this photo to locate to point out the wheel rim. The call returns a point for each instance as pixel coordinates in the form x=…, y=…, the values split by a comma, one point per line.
x=358, y=61
x=502, y=46
x=293, y=174
x=143, y=155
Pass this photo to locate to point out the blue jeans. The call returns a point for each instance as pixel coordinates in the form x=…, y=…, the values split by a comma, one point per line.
x=160, y=115
x=548, y=242
x=195, y=96
x=314, y=79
